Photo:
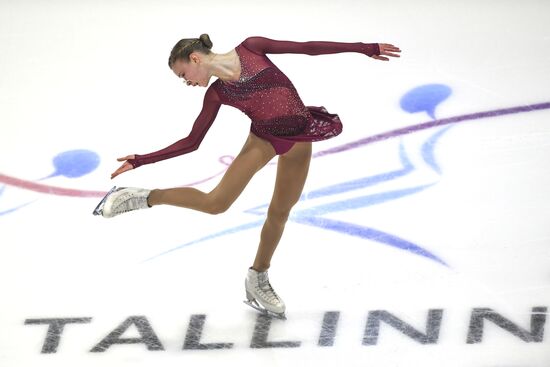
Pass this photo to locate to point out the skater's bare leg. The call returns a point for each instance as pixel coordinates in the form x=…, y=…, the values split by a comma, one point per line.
x=292, y=169
x=255, y=154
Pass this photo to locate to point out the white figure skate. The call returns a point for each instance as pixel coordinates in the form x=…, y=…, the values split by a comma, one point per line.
x=261, y=296
x=121, y=200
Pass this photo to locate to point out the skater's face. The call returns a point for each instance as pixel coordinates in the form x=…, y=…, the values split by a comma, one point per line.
x=193, y=72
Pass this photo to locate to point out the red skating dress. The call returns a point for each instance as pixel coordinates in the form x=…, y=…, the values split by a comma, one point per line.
x=266, y=95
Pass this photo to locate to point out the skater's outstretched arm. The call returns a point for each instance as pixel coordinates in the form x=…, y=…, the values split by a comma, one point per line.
x=210, y=108
x=263, y=45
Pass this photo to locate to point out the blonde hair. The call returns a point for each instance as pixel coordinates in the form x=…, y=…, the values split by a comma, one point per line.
x=186, y=46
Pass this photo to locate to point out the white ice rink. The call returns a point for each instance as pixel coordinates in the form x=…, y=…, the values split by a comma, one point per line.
x=422, y=237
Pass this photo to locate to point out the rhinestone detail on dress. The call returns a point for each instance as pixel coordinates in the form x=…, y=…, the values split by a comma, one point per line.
x=266, y=95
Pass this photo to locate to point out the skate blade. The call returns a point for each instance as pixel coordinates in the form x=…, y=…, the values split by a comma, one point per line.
x=99, y=208
x=264, y=311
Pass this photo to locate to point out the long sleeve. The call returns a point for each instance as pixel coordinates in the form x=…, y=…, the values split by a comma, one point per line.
x=262, y=45
x=211, y=105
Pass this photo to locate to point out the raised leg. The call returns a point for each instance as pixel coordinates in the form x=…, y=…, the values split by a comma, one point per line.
x=255, y=154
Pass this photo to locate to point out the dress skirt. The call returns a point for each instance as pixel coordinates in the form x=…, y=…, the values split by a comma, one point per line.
x=282, y=133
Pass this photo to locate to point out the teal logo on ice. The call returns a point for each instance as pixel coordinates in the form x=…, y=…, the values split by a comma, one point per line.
x=70, y=164
x=422, y=99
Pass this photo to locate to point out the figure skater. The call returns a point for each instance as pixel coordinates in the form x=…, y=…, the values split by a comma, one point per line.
x=280, y=125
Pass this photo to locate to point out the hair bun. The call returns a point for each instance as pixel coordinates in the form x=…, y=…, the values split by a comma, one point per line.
x=205, y=40
x=186, y=46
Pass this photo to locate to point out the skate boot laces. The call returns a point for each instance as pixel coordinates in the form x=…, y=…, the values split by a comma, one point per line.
x=130, y=199
x=266, y=289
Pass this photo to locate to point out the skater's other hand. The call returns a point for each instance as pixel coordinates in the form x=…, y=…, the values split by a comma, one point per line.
x=126, y=166
x=386, y=49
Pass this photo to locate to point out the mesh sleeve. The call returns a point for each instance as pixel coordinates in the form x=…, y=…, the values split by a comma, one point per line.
x=211, y=105
x=262, y=45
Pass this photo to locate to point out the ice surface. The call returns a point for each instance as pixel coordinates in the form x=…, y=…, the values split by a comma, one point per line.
x=421, y=238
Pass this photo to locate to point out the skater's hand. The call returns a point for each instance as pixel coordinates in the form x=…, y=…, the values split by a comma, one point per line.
x=126, y=166
x=386, y=49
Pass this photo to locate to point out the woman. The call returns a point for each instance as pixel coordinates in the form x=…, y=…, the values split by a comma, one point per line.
x=280, y=125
